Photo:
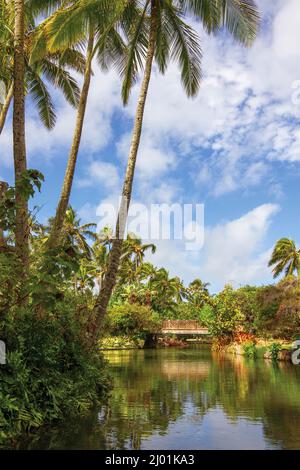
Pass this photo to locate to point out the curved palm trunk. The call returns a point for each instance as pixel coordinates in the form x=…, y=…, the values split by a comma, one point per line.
x=69, y=175
x=19, y=147
x=6, y=106
x=3, y=189
x=116, y=250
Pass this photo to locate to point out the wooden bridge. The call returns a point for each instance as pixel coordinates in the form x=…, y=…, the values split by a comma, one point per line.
x=183, y=328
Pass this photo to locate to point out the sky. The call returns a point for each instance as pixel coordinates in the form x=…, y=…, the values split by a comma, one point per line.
x=234, y=148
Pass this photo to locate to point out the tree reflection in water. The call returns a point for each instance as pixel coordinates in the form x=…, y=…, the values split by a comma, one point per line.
x=155, y=391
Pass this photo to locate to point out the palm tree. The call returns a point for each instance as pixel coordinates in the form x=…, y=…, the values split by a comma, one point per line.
x=285, y=257
x=161, y=34
x=78, y=21
x=197, y=293
x=168, y=290
x=75, y=235
x=134, y=249
x=19, y=145
x=51, y=67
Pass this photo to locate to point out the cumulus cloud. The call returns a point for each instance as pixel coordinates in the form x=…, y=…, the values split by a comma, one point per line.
x=100, y=173
x=233, y=251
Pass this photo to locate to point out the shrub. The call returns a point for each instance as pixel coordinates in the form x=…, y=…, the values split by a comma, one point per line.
x=50, y=371
x=274, y=350
x=224, y=318
x=133, y=320
x=249, y=349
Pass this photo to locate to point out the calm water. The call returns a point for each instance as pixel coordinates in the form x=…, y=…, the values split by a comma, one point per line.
x=188, y=399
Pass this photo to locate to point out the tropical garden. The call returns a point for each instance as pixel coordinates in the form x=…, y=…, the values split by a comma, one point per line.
x=65, y=288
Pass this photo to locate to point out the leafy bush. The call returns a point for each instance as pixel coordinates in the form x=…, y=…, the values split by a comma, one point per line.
x=274, y=349
x=49, y=373
x=224, y=318
x=120, y=342
x=133, y=320
x=249, y=349
x=280, y=308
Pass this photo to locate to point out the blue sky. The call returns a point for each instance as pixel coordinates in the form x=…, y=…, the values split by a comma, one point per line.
x=235, y=148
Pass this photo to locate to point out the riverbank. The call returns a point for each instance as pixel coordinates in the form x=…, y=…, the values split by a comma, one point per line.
x=276, y=350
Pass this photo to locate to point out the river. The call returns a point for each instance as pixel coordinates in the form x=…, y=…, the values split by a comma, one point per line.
x=187, y=399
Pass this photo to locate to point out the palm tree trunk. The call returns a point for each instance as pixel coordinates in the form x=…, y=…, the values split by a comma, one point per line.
x=69, y=175
x=6, y=106
x=19, y=147
x=3, y=189
x=115, y=253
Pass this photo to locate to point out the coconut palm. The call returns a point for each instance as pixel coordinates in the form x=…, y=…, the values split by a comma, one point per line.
x=168, y=290
x=285, y=258
x=75, y=234
x=135, y=250
x=161, y=34
x=19, y=145
x=77, y=22
x=49, y=67
x=197, y=293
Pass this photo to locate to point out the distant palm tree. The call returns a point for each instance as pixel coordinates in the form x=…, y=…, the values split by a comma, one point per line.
x=285, y=257
x=75, y=234
x=135, y=249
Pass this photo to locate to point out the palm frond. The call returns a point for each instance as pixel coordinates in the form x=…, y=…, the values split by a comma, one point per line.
x=41, y=97
x=185, y=48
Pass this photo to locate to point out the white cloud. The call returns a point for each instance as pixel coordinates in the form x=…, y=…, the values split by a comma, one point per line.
x=154, y=158
x=99, y=173
x=232, y=249
x=103, y=100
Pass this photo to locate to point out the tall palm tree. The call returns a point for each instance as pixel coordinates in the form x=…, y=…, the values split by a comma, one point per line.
x=52, y=67
x=162, y=34
x=285, y=257
x=19, y=145
x=78, y=21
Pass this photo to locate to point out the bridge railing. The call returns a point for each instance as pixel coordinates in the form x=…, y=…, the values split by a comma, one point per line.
x=181, y=325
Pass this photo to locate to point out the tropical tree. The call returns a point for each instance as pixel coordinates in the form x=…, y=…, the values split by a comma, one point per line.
x=19, y=144
x=75, y=235
x=81, y=21
x=285, y=257
x=49, y=67
x=197, y=293
x=161, y=34
x=167, y=290
x=134, y=249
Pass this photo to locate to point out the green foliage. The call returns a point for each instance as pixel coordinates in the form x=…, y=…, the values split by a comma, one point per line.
x=249, y=349
x=132, y=320
x=279, y=308
x=274, y=349
x=226, y=316
x=285, y=258
x=26, y=185
x=50, y=371
x=120, y=342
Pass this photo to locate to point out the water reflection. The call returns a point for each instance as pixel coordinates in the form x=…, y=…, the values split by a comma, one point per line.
x=188, y=399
